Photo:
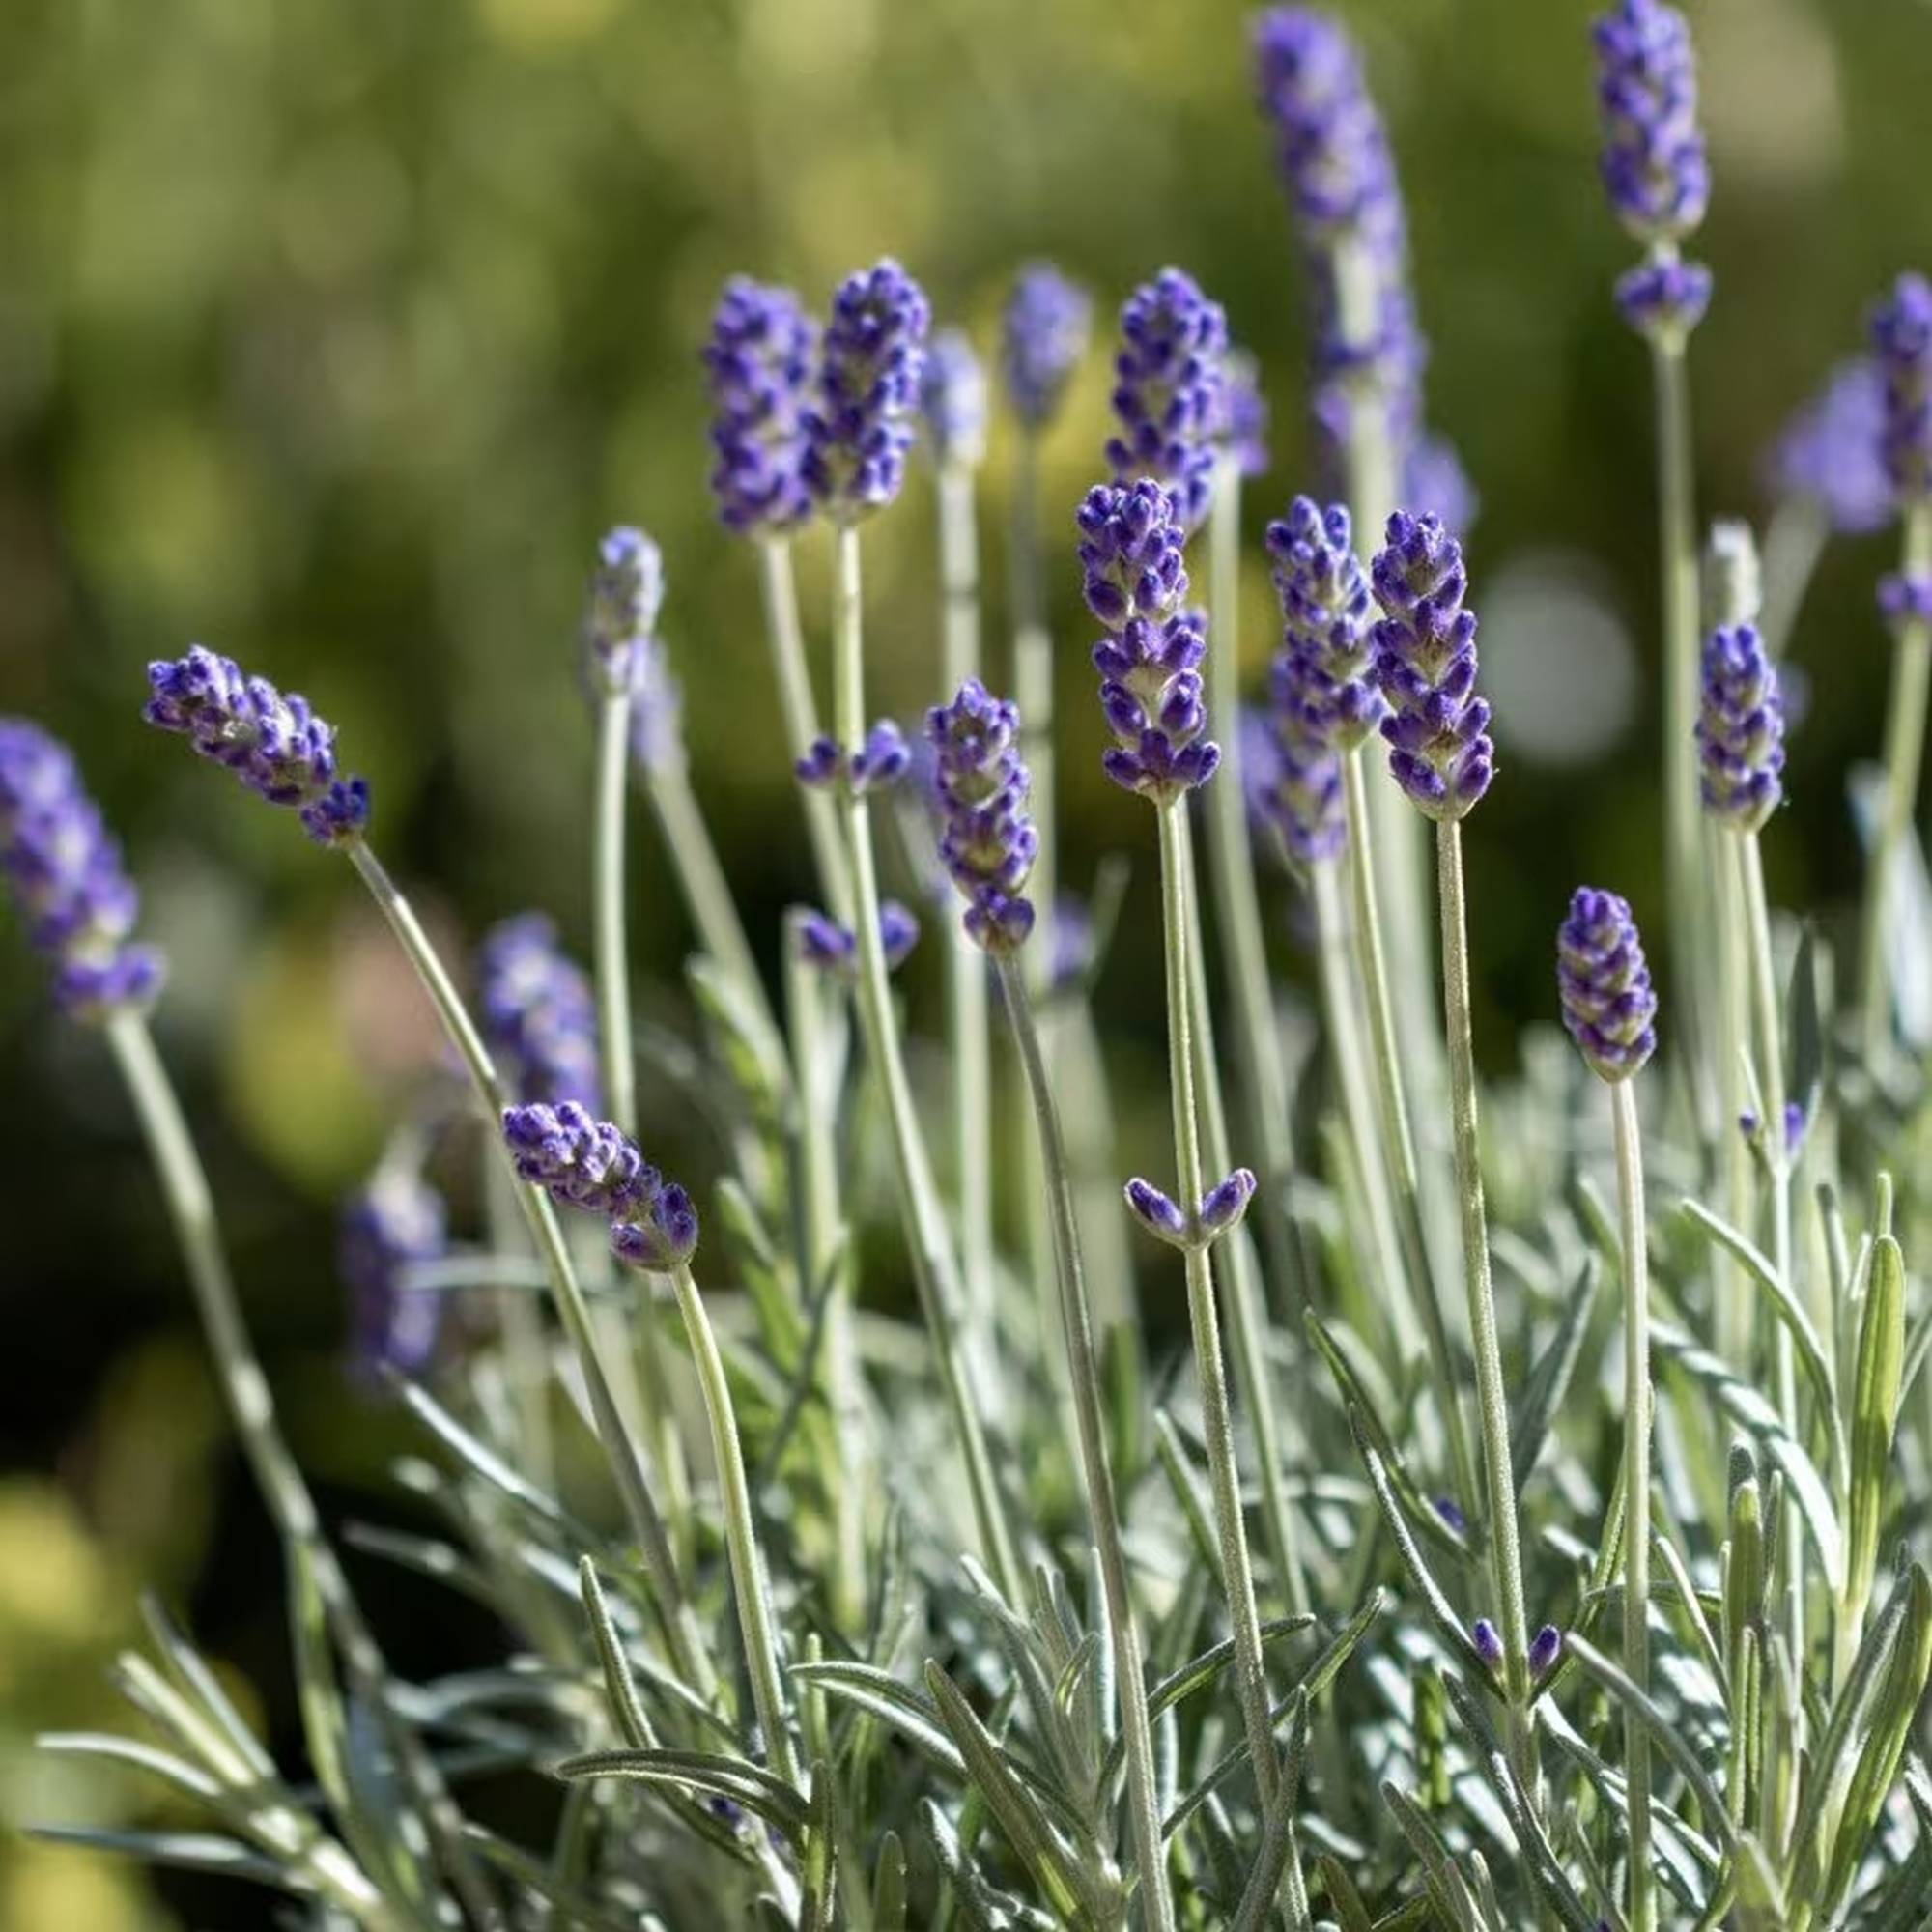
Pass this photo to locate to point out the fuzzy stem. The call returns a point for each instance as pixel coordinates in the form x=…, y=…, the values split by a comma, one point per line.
x=1731, y=1292
x=741, y=1535
x=662, y=1576
x=1077, y=1327
x=251, y=1406
x=779, y=592
x=935, y=1272
x=1904, y=753
x=616, y=1051
x=1636, y=1495
x=1216, y=1418
x=1491, y=1392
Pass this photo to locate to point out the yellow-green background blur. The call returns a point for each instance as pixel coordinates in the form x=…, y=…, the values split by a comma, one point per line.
x=333, y=331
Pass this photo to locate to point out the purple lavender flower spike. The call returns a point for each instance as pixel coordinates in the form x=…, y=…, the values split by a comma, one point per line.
x=1545, y=1648
x=1425, y=660
x=1168, y=392
x=1244, y=414
x=1157, y=1212
x=1295, y=785
x=860, y=426
x=1609, y=1005
x=393, y=1224
x=1130, y=542
x=1328, y=619
x=1665, y=299
x=1830, y=452
x=987, y=841
x=953, y=400
x=539, y=1013
x=276, y=745
x=662, y=1236
x=64, y=866
x=1489, y=1643
x=1223, y=1203
x=1042, y=337
x=620, y=617
x=761, y=362
x=1902, y=337
x=1654, y=169
x=579, y=1161
x=1740, y=730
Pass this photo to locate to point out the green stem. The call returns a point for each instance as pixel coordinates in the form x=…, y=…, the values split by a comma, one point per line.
x=252, y=1407
x=662, y=1578
x=616, y=1051
x=1732, y=1290
x=1904, y=753
x=780, y=594
x=1636, y=1495
x=935, y=1272
x=740, y=1536
x=521, y=1333
x=1077, y=1327
x=1216, y=1416
x=1491, y=1392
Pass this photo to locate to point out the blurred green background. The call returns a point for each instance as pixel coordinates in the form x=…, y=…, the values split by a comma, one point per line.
x=332, y=332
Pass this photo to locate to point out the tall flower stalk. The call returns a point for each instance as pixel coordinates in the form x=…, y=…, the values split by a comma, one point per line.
x=1610, y=1012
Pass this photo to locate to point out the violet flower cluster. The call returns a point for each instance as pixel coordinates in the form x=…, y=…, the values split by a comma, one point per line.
x=1609, y=1005
x=395, y=1223
x=64, y=866
x=1170, y=383
x=585, y=1162
x=1042, y=337
x=1150, y=664
x=1830, y=453
x=1438, y=726
x=824, y=943
x=539, y=1013
x=760, y=361
x=1901, y=338
x=987, y=840
x=882, y=760
x=953, y=400
x=860, y=424
x=1219, y=1210
x=620, y=618
x=275, y=745
x=1740, y=730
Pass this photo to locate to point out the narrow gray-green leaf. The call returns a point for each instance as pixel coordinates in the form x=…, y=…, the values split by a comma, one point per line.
x=1881, y=1365
x=1550, y=1377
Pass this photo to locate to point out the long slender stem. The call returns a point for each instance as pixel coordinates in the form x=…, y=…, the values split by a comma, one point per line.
x=1077, y=1325
x=1904, y=755
x=662, y=1576
x=740, y=1536
x=1636, y=1495
x=1491, y=1392
x=1238, y=1579
x=251, y=1406
x=1731, y=1292
x=616, y=1051
x=935, y=1272
x=780, y=593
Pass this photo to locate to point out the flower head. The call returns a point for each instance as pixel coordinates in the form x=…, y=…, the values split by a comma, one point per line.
x=1901, y=336
x=953, y=400
x=1168, y=392
x=1608, y=1005
x=1326, y=615
x=65, y=867
x=1665, y=299
x=1830, y=452
x=539, y=1013
x=760, y=361
x=833, y=948
x=276, y=745
x=987, y=842
x=1654, y=165
x=1331, y=144
x=395, y=1223
x=620, y=618
x=860, y=426
x=1740, y=730
x=1293, y=772
x=1150, y=664
x=577, y=1159
x=1425, y=660
x=1042, y=338
x=660, y=1235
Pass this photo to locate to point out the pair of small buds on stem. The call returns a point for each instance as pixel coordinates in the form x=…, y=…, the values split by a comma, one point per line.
x=1219, y=1211
x=881, y=761
x=1546, y=1647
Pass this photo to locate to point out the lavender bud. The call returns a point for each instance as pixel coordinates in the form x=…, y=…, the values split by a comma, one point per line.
x=663, y=1238
x=1665, y=300
x=1042, y=337
x=1905, y=598
x=1608, y=1005
x=1750, y=1123
x=1244, y=414
x=1326, y=626
x=1424, y=662
x=620, y=617
x=1740, y=730
x=1489, y=1644
x=987, y=841
x=953, y=400
x=1293, y=772
x=1545, y=1648
x=832, y=947
x=859, y=430
x=1830, y=452
x=65, y=867
x=1157, y=1213
x=823, y=765
x=760, y=361
x=882, y=759
x=1797, y=1125
x=579, y=1161
x=1654, y=165
x=393, y=1224
x=1451, y=1513
x=1168, y=392
x=539, y=1013
x=1901, y=338
x=276, y=745
x=1224, y=1204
